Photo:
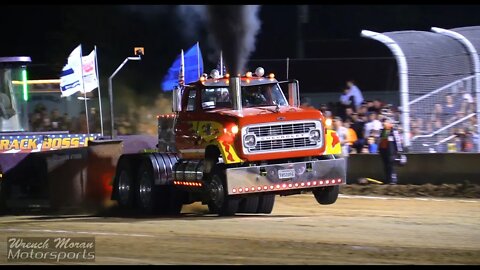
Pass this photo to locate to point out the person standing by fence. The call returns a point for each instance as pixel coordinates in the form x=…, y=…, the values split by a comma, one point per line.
x=389, y=147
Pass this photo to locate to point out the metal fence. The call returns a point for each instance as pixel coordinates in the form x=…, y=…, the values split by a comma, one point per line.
x=438, y=83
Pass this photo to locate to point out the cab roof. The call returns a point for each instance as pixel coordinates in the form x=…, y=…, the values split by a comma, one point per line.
x=224, y=81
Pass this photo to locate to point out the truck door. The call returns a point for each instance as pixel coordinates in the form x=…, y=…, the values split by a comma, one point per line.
x=186, y=135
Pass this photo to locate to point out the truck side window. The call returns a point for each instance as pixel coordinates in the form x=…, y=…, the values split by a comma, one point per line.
x=191, y=100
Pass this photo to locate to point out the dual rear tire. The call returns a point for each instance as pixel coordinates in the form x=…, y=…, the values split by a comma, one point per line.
x=136, y=189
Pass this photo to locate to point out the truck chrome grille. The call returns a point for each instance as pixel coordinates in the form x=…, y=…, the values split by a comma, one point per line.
x=285, y=136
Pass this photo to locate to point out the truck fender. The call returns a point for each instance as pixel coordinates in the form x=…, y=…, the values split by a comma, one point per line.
x=332, y=143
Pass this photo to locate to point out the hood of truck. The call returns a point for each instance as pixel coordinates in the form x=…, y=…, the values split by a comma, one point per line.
x=256, y=115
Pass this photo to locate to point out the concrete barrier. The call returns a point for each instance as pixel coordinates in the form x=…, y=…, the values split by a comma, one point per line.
x=422, y=168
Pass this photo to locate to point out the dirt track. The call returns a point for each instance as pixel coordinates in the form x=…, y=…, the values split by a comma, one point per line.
x=354, y=230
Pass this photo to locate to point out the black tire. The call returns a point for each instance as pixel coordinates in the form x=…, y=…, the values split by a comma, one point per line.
x=125, y=185
x=220, y=202
x=249, y=204
x=326, y=195
x=265, y=203
x=153, y=199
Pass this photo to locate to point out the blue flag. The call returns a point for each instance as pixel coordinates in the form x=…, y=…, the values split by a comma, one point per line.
x=193, y=69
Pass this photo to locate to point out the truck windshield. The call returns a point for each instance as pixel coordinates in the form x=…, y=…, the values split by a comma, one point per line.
x=252, y=96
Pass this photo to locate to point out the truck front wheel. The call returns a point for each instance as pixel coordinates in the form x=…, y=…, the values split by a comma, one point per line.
x=265, y=203
x=326, y=195
x=220, y=202
x=249, y=204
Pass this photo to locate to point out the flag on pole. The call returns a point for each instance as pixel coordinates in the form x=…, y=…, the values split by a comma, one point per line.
x=90, y=79
x=71, y=80
x=193, y=66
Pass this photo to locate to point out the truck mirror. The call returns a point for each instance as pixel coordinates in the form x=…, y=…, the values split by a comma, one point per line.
x=177, y=99
x=293, y=94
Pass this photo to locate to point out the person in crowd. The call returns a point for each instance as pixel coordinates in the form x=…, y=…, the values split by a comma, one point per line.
x=351, y=136
x=356, y=93
x=358, y=125
x=372, y=146
x=342, y=133
x=372, y=124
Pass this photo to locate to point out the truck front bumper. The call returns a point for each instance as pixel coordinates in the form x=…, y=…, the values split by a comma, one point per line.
x=286, y=176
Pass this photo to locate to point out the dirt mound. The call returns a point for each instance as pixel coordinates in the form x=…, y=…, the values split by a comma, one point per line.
x=463, y=190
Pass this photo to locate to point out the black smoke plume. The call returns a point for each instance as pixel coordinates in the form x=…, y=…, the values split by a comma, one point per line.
x=234, y=28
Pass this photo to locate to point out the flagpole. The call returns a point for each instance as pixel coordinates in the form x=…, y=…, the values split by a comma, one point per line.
x=221, y=64
x=182, y=69
x=198, y=60
x=84, y=92
x=99, y=93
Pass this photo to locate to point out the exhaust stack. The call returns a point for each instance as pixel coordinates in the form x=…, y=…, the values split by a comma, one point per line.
x=236, y=93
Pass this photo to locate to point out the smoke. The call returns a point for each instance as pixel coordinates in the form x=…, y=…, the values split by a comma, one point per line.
x=234, y=29
x=190, y=19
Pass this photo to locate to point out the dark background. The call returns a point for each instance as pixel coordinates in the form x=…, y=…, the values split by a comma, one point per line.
x=328, y=34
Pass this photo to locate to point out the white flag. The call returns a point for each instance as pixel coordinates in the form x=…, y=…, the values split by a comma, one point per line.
x=71, y=80
x=90, y=80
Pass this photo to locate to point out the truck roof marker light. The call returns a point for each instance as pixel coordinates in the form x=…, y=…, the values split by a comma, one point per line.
x=259, y=72
x=277, y=186
x=327, y=182
x=272, y=187
x=259, y=188
x=302, y=184
x=227, y=75
x=309, y=184
x=333, y=181
x=271, y=76
x=339, y=180
x=240, y=190
x=248, y=74
x=314, y=183
x=246, y=189
x=265, y=187
x=296, y=185
x=320, y=183
x=234, y=190
x=284, y=186
x=215, y=74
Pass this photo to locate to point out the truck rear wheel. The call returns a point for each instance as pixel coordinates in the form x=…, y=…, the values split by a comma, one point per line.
x=153, y=199
x=265, y=203
x=125, y=186
x=249, y=204
x=326, y=195
x=220, y=202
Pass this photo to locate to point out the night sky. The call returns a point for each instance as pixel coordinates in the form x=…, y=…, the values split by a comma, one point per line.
x=329, y=33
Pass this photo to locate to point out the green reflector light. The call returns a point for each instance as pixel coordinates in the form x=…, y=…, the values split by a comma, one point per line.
x=25, y=85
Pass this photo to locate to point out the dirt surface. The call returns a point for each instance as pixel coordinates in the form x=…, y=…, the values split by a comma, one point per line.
x=356, y=229
x=463, y=190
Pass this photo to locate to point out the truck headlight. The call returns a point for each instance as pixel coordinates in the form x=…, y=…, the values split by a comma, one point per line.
x=249, y=140
x=315, y=135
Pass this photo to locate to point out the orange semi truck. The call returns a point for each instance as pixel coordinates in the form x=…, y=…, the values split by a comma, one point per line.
x=233, y=143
